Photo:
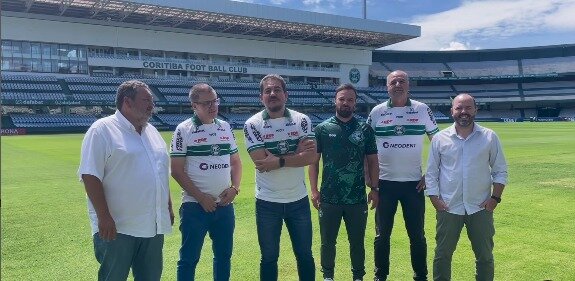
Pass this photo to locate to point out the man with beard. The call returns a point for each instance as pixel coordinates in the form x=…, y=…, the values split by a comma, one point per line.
x=465, y=161
x=124, y=168
x=400, y=125
x=281, y=143
x=206, y=164
x=344, y=143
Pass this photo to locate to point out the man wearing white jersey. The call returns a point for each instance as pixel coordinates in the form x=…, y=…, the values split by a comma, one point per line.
x=206, y=164
x=280, y=143
x=400, y=124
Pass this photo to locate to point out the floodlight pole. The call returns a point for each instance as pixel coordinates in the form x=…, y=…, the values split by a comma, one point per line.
x=364, y=9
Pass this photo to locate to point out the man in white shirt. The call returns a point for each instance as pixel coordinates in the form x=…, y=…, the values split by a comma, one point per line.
x=466, y=174
x=124, y=168
x=206, y=164
x=281, y=143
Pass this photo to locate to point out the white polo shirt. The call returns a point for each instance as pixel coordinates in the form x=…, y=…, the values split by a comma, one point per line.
x=280, y=136
x=207, y=149
x=134, y=171
x=399, y=133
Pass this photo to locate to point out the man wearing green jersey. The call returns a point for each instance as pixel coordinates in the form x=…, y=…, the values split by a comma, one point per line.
x=345, y=143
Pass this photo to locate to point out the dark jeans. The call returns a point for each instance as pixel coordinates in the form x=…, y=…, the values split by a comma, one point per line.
x=116, y=257
x=269, y=220
x=355, y=218
x=194, y=224
x=413, y=207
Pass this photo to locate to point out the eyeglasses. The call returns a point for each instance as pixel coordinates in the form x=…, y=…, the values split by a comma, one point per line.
x=209, y=103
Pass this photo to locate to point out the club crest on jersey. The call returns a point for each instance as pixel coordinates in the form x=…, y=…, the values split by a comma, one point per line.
x=356, y=137
x=283, y=147
x=399, y=130
x=215, y=150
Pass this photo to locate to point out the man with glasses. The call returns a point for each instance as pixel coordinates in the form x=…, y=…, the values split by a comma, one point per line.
x=280, y=143
x=400, y=125
x=206, y=164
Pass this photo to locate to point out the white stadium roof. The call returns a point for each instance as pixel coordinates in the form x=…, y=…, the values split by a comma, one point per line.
x=227, y=17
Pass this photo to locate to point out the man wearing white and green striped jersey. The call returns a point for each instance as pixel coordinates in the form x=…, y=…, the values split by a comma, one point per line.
x=400, y=125
x=206, y=164
x=281, y=143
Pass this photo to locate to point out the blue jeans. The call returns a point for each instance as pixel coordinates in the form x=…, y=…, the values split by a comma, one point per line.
x=116, y=257
x=269, y=219
x=194, y=224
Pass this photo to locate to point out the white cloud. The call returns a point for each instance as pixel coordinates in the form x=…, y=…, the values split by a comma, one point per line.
x=457, y=46
x=278, y=2
x=481, y=20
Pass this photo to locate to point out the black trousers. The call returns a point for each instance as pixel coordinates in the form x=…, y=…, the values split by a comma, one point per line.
x=355, y=219
x=413, y=206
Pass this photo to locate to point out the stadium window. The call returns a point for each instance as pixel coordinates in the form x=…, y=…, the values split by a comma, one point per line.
x=73, y=66
x=36, y=50
x=16, y=64
x=36, y=65
x=6, y=49
x=16, y=49
x=54, y=51
x=26, y=64
x=54, y=64
x=83, y=67
x=81, y=53
x=26, y=50
x=46, y=66
x=45, y=50
x=6, y=63
x=63, y=51
x=63, y=66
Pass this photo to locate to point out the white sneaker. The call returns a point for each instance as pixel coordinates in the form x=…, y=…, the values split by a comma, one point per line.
x=328, y=279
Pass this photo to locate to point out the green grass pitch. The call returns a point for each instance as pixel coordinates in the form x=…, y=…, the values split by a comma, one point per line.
x=46, y=236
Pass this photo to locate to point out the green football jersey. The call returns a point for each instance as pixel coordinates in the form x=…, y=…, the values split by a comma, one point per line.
x=343, y=147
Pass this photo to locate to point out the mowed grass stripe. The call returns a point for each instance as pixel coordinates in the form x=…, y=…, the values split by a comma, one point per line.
x=46, y=235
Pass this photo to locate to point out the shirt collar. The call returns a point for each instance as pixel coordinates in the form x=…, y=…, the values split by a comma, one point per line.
x=197, y=122
x=452, y=132
x=266, y=115
x=390, y=104
x=125, y=123
x=350, y=121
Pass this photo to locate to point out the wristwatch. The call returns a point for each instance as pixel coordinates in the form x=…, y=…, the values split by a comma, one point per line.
x=498, y=199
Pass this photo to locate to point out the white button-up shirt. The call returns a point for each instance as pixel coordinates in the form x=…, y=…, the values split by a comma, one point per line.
x=134, y=170
x=462, y=171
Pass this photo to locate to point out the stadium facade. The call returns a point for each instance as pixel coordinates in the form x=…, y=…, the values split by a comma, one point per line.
x=62, y=60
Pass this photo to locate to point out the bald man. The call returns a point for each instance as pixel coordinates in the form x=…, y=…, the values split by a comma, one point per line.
x=466, y=174
x=400, y=126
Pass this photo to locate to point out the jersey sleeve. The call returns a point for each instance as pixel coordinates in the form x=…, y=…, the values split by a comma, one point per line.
x=306, y=128
x=369, y=120
x=253, y=136
x=430, y=124
x=317, y=135
x=370, y=144
x=178, y=147
x=233, y=144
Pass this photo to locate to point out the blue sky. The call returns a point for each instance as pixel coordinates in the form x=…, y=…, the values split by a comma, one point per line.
x=460, y=24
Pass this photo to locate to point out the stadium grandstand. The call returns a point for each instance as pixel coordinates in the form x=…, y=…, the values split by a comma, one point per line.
x=63, y=60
